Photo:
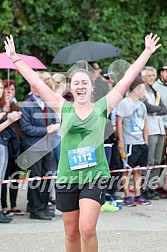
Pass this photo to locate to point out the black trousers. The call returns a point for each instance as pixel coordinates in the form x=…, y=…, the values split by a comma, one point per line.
x=12, y=170
x=38, y=190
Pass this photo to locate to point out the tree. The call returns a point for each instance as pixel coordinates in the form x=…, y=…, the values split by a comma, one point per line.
x=41, y=28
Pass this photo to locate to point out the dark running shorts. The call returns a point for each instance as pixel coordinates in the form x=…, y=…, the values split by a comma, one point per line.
x=68, y=195
x=137, y=155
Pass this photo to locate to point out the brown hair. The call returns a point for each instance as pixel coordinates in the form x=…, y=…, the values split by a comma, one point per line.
x=8, y=83
x=2, y=98
x=81, y=71
x=136, y=83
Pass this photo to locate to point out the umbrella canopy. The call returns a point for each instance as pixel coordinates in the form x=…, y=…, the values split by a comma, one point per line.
x=31, y=61
x=87, y=50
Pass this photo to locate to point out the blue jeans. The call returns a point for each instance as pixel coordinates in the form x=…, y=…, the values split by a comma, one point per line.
x=108, y=151
x=3, y=163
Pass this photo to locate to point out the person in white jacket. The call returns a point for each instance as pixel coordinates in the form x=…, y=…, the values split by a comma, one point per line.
x=161, y=86
x=156, y=131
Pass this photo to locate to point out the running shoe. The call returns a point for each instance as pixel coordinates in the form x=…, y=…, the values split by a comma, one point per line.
x=108, y=207
x=58, y=212
x=129, y=201
x=142, y=200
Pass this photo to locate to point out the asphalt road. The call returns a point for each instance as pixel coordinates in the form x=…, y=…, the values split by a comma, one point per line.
x=141, y=228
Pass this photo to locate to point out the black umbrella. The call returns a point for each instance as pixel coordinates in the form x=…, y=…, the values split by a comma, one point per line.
x=87, y=50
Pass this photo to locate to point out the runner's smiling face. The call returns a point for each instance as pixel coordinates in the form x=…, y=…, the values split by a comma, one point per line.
x=81, y=87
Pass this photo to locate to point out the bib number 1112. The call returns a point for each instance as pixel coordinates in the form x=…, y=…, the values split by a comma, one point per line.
x=82, y=157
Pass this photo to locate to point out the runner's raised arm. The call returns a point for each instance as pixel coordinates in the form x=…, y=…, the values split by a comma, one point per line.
x=53, y=100
x=117, y=93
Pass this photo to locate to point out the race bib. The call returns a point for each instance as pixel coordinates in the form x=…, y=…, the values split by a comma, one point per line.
x=82, y=157
x=136, y=126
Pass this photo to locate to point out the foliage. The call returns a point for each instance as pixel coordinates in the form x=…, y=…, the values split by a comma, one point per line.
x=41, y=28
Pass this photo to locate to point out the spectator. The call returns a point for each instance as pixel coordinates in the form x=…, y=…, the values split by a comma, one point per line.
x=47, y=78
x=133, y=139
x=161, y=86
x=101, y=87
x=59, y=84
x=11, y=86
x=7, y=138
x=12, y=169
x=155, y=110
x=40, y=155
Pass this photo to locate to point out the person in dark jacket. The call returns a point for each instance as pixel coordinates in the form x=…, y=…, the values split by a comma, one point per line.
x=7, y=136
x=13, y=170
x=39, y=124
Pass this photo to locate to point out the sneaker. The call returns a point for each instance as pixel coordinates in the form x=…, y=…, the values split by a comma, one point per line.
x=8, y=213
x=129, y=201
x=142, y=200
x=58, y=212
x=108, y=207
x=16, y=211
x=4, y=219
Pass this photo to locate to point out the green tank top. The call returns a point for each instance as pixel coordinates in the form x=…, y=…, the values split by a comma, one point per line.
x=77, y=133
